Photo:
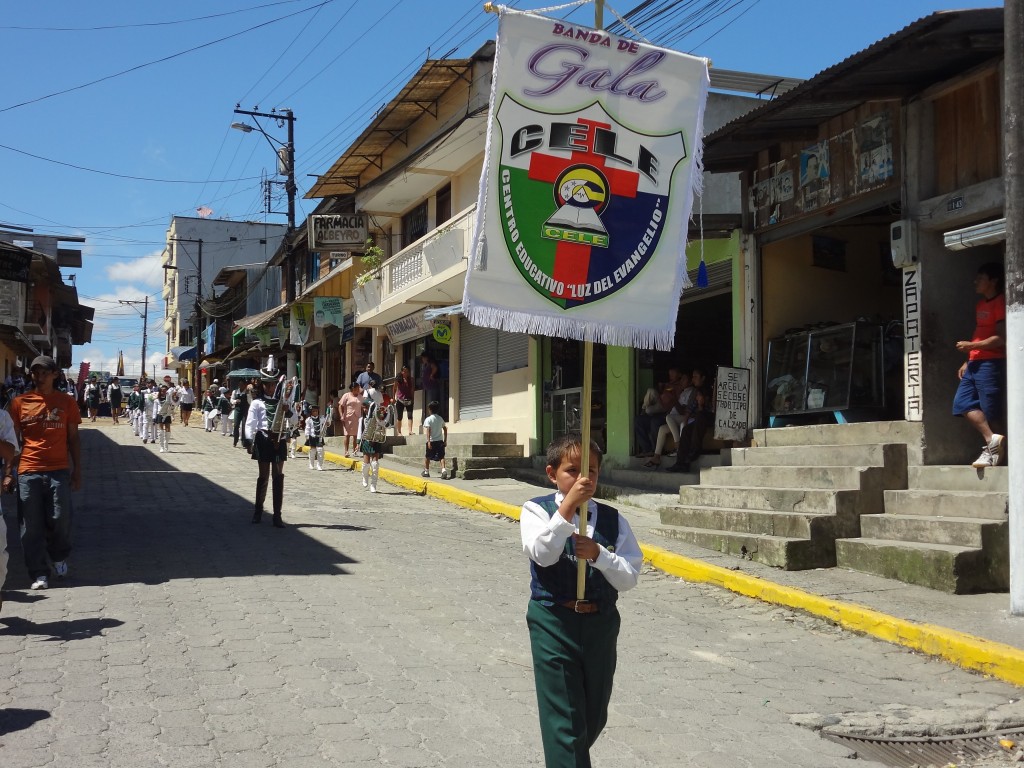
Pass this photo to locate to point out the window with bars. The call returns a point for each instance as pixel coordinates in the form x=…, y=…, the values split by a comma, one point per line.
x=414, y=224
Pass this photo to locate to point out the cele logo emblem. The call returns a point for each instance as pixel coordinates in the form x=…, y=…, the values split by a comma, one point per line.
x=583, y=199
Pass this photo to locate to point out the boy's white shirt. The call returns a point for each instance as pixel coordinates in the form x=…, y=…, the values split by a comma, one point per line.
x=544, y=540
x=435, y=427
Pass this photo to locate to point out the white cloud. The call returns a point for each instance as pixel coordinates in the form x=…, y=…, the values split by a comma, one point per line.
x=147, y=270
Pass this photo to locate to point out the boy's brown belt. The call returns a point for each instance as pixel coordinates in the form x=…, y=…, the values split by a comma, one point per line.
x=581, y=606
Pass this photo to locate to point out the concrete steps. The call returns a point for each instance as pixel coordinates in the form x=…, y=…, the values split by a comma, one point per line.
x=780, y=551
x=785, y=502
x=948, y=530
x=469, y=455
x=756, y=521
x=937, y=504
x=943, y=567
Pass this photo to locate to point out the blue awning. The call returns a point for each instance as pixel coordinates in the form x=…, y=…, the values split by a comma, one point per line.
x=183, y=354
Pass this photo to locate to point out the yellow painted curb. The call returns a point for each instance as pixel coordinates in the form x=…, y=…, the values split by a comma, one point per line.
x=437, y=489
x=976, y=653
x=996, y=659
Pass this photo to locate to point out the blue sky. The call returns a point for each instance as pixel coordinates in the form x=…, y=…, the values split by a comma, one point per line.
x=140, y=97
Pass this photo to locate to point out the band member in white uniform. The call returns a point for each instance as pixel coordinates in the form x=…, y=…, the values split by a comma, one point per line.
x=269, y=449
x=314, y=438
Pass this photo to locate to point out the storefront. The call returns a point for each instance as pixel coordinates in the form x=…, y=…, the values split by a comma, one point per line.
x=408, y=340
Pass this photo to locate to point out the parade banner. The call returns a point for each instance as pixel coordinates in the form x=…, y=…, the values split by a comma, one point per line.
x=327, y=310
x=592, y=163
x=302, y=317
x=282, y=330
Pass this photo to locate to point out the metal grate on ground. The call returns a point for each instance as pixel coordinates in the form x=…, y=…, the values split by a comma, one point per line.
x=917, y=751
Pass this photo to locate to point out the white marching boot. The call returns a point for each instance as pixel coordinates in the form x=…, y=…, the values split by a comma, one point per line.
x=374, y=472
x=366, y=475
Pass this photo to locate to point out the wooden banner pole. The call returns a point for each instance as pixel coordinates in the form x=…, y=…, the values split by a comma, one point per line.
x=585, y=405
x=585, y=411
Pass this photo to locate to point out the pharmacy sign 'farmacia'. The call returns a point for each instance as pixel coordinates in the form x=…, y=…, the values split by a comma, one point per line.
x=587, y=185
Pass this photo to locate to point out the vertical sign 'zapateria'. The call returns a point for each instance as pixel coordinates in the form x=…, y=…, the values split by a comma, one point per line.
x=592, y=163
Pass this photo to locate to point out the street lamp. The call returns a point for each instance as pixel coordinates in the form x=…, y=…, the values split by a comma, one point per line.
x=285, y=151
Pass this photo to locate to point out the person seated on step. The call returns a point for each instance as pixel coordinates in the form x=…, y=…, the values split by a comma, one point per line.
x=691, y=438
x=677, y=417
x=657, y=402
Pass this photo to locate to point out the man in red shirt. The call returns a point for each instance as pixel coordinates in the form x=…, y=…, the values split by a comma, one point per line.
x=49, y=468
x=979, y=397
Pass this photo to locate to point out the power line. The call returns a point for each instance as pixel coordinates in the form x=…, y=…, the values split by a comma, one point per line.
x=172, y=56
x=148, y=23
x=112, y=173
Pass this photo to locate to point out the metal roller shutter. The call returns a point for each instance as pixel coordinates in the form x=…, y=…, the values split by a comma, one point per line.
x=513, y=351
x=477, y=363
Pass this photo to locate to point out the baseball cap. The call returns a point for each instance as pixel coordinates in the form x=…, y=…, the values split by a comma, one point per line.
x=44, y=361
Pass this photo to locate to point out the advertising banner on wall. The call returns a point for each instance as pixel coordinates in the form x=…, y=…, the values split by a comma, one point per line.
x=327, y=310
x=591, y=167
x=302, y=318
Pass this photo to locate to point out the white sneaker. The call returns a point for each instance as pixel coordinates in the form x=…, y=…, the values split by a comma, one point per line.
x=444, y=474
x=987, y=459
x=995, y=446
x=60, y=567
x=41, y=582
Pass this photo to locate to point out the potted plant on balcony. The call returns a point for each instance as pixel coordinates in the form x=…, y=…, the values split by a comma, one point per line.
x=367, y=289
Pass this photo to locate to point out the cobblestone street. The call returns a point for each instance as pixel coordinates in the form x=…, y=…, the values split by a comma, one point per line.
x=389, y=629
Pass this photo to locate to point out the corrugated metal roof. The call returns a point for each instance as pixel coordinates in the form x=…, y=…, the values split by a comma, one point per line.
x=928, y=51
x=419, y=96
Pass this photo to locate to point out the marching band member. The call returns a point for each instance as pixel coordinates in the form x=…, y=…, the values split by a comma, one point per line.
x=166, y=401
x=135, y=403
x=373, y=430
x=314, y=439
x=269, y=449
x=149, y=411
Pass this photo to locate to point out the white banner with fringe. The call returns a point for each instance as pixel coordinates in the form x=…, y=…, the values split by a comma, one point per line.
x=592, y=163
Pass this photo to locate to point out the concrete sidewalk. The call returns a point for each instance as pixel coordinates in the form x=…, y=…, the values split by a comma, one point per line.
x=976, y=632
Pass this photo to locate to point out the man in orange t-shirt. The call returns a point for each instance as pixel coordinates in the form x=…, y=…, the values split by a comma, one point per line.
x=982, y=389
x=49, y=468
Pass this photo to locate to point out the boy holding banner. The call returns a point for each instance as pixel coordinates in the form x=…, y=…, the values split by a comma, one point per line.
x=574, y=641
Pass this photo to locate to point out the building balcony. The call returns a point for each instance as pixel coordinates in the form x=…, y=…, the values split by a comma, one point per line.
x=430, y=271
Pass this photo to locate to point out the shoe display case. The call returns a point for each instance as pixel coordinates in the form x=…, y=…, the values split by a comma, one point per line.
x=833, y=369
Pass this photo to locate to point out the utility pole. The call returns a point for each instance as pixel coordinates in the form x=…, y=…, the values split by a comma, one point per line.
x=198, y=324
x=1013, y=177
x=288, y=163
x=145, y=319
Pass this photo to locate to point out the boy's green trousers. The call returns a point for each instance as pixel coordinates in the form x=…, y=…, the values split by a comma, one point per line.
x=574, y=667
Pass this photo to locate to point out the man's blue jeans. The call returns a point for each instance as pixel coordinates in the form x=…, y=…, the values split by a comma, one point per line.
x=45, y=502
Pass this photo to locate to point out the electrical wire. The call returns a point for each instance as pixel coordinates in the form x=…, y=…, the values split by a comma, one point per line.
x=144, y=24
x=161, y=60
x=112, y=173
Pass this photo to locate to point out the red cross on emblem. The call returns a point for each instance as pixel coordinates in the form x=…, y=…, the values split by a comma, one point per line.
x=572, y=260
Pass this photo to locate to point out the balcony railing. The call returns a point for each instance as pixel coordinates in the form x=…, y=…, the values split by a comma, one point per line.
x=428, y=257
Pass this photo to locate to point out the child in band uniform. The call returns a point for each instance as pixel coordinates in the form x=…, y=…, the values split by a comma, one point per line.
x=574, y=641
